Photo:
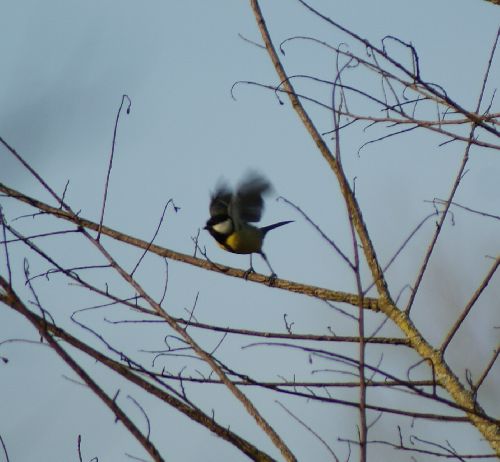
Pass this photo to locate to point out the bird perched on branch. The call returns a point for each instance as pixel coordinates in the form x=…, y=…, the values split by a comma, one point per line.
x=231, y=213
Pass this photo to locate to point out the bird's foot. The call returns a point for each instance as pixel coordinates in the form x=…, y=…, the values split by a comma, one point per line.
x=272, y=279
x=248, y=272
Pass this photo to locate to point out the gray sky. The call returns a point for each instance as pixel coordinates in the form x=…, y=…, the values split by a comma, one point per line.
x=66, y=64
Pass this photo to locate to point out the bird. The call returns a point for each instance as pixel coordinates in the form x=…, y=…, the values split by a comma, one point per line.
x=231, y=215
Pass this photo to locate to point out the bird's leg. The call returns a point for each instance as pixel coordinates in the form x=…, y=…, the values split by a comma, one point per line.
x=273, y=275
x=249, y=270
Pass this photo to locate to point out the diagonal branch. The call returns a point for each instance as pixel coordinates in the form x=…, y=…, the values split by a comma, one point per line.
x=11, y=299
x=469, y=306
x=456, y=183
x=304, y=289
x=333, y=163
x=444, y=375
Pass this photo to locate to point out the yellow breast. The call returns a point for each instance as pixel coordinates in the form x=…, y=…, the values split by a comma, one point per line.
x=245, y=240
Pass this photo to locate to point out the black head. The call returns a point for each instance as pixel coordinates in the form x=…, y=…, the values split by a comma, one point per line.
x=220, y=226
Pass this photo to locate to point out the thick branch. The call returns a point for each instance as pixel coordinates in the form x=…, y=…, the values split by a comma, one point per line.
x=304, y=289
x=43, y=326
x=444, y=375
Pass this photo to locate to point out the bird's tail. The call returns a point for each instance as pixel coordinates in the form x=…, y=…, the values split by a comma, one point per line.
x=265, y=229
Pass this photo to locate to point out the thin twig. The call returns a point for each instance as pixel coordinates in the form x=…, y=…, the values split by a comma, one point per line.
x=305, y=289
x=6, y=249
x=487, y=369
x=4, y=449
x=319, y=230
x=13, y=300
x=310, y=430
x=170, y=201
x=468, y=209
x=110, y=165
x=469, y=306
x=129, y=374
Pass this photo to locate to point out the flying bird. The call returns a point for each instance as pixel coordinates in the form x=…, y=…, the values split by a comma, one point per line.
x=231, y=215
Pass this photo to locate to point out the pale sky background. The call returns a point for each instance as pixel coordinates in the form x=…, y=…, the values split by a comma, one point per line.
x=65, y=65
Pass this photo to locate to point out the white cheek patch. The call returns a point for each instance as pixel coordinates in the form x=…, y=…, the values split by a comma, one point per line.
x=224, y=227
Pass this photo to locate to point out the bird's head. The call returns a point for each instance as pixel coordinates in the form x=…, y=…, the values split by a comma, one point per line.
x=220, y=225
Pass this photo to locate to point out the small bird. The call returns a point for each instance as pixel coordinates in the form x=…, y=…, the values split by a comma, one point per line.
x=231, y=213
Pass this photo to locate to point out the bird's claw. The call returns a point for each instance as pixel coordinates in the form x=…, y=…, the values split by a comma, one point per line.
x=272, y=279
x=248, y=272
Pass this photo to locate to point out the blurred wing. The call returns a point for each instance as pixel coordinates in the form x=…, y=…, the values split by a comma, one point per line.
x=220, y=200
x=247, y=204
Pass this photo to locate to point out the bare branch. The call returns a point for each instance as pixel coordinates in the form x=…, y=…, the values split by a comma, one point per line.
x=469, y=305
x=305, y=289
x=110, y=166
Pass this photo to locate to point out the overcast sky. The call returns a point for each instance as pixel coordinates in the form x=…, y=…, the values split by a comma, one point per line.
x=65, y=65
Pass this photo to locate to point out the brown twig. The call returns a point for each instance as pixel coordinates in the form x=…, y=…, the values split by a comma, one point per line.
x=11, y=299
x=195, y=414
x=4, y=449
x=310, y=430
x=455, y=186
x=277, y=335
x=469, y=306
x=443, y=373
x=305, y=289
x=110, y=165
x=487, y=369
x=469, y=209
